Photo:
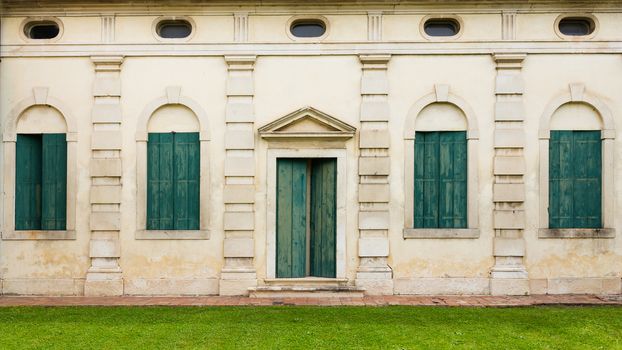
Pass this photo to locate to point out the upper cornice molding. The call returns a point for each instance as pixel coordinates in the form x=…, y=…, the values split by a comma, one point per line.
x=93, y=7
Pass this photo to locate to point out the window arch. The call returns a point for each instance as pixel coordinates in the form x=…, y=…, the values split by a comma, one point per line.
x=571, y=118
x=176, y=121
x=24, y=124
x=458, y=121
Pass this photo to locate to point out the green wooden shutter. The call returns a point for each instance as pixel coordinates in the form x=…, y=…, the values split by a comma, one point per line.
x=54, y=182
x=426, y=179
x=560, y=179
x=323, y=221
x=587, y=179
x=187, y=158
x=452, y=207
x=575, y=179
x=440, y=191
x=160, y=195
x=28, y=182
x=291, y=218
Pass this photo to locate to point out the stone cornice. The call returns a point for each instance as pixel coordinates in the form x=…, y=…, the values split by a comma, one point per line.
x=215, y=7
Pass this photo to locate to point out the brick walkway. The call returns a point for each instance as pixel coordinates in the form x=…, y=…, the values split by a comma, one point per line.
x=476, y=301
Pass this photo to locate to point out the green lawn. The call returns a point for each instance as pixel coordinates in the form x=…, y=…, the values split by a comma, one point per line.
x=311, y=327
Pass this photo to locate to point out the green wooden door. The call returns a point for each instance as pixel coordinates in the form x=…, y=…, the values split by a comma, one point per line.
x=575, y=179
x=173, y=171
x=323, y=221
x=28, y=182
x=291, y=218
x=440, y=183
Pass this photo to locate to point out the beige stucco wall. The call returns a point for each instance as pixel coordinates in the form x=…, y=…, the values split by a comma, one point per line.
x=327, y=77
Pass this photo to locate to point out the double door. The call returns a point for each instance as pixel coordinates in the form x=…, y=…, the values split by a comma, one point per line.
x=306, y=217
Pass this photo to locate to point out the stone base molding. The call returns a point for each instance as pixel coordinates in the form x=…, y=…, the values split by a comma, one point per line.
x=577, y=285
x=42, y=286
x=172, y=286
x=443, y=286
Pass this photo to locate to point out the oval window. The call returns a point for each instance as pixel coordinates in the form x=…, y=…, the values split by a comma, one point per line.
x=174, y=29
x=441, y=27
x=42, y=30
x=576, y=26
x=308, y=28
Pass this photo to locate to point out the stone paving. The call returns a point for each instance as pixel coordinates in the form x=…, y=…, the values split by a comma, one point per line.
x=471, y=301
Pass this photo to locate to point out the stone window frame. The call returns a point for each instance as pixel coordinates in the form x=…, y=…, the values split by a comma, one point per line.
x=29, y=20
x=454, y=18
x=587, y=16
x=577, y=94
x=40, y=98
x=173, y=97
x=290, y=22
x=442, y=95
x=156, y=22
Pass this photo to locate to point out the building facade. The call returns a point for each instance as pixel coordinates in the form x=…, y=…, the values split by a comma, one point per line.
x=310, y=148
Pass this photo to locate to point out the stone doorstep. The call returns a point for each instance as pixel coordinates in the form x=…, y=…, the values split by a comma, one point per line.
x=306, y=281
x=308, y=291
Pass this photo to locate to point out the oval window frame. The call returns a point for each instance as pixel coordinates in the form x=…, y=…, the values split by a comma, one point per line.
x=32, y=21
x=585, y=16
x=453, y=18
x=311, y=18
x=156, y=24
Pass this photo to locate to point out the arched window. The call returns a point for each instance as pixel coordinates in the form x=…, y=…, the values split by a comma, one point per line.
x=440, y=163
x=172, y=170
x=440, y=169
x=40, y=170
x=575, y=169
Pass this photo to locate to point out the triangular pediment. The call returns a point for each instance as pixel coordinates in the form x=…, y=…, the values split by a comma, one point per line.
x=307, y=123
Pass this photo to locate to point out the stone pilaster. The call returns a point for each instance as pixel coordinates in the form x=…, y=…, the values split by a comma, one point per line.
x=374, y=26
x=509, y=275
x=239, y=273
x=508, y=23
x=104, y=276
x=240, y=29
x=374, y=273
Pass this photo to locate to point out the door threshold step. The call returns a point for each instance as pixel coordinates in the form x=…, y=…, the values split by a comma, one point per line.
x=289, y=291
x=306, y=281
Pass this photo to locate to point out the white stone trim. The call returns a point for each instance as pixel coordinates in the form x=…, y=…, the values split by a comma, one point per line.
x=273, y=154
x=40, y=98
x=443, y=95
x=172, y=97
x=577, y=93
